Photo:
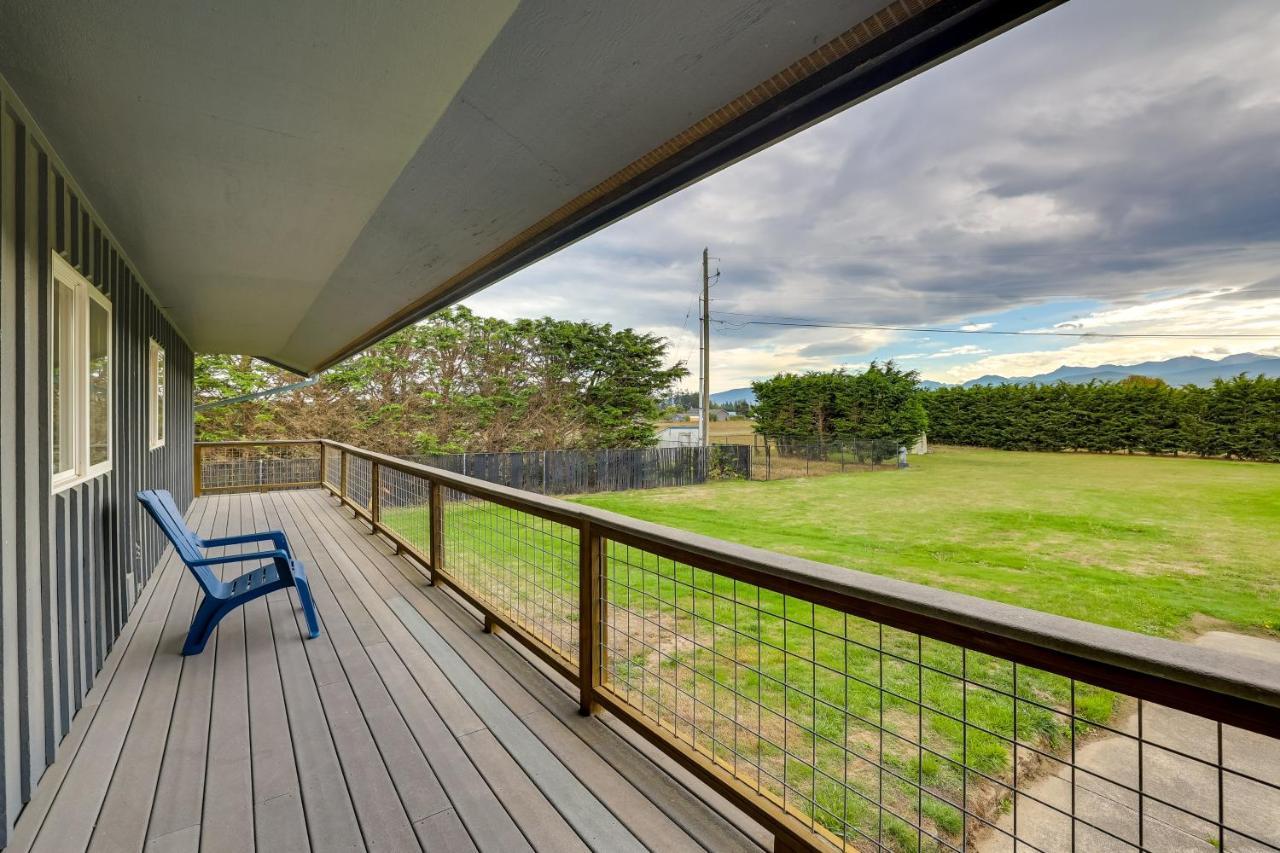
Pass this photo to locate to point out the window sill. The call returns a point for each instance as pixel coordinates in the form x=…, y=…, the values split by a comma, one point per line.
x=71, y=482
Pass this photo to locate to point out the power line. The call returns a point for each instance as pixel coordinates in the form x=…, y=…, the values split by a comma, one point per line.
x=798, y=322
x=1009, y=255
x=995, y=296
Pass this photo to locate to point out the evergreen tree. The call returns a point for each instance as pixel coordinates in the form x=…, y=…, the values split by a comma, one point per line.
x=1237, y=418
x=883, y=402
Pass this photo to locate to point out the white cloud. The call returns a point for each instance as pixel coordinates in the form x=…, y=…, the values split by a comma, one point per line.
x=1220, y=312
x=966, y=349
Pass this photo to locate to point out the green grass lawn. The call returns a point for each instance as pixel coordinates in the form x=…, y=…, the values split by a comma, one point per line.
x=835, y=715
x=1144, y=543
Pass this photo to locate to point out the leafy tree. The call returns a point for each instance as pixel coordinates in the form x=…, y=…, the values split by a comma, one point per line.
x=459, y=382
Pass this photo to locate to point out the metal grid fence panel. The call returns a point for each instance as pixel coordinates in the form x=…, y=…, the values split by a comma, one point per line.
x=405, y=507
x=360, y=482
x=253, y=468
x=331, y=466
x=879, y=738
x=521, y=566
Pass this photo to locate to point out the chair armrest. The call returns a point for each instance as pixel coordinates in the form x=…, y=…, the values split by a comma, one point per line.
x=277, y=538
x=242, y=558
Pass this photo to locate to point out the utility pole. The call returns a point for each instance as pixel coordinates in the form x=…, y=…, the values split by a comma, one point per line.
x=704, y=430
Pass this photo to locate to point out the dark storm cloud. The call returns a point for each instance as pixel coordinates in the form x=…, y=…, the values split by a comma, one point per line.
x=1266, y=290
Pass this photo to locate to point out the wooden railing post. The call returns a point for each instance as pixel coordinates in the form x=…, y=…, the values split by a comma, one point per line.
x=196, y=469
x=435, y=504
x=344, y=461
x=375, y=502
x=591, y=616
x=324, y=465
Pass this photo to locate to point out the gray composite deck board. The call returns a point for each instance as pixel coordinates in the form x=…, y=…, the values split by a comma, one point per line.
x=401, y=726
x=390, y=763
x=133, y=782
x=179, y=796
x=229, y=771
x=279, y=822
x=624, y=785
x=623, y=779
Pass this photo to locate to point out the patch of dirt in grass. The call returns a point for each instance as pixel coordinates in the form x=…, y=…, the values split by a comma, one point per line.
x=1202, y=624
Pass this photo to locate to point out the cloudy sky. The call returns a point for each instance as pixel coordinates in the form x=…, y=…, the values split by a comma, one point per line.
x=1109, y=167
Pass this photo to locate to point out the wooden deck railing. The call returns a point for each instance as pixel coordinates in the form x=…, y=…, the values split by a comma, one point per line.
x=840, y=708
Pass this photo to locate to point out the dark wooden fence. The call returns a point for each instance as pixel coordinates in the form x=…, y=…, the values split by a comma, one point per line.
x=576, y=472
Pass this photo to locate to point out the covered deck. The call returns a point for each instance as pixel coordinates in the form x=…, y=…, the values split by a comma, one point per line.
x=402, y=725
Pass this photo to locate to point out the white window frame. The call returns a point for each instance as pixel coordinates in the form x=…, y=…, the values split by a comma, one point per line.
x=69, y=381
x=156, y=403
x=76, y=376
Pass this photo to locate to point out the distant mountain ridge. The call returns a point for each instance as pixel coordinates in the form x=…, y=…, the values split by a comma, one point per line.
x=1183, y=370
x=733, y=395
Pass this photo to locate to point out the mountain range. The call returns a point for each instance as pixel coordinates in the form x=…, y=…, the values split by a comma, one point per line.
x=733, y=395
x=1184, y=370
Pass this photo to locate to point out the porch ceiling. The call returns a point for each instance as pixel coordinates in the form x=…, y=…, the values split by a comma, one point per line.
x=295, y=178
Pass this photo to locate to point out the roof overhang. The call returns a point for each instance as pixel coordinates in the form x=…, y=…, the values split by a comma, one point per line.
x=298, y=179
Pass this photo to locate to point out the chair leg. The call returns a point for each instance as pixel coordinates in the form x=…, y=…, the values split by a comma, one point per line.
x=208, y=615
x=308, y=605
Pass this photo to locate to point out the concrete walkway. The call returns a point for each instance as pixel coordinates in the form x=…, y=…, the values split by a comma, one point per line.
x=1102, y=763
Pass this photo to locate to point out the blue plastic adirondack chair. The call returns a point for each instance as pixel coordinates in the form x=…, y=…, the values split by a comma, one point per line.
x=221, y=598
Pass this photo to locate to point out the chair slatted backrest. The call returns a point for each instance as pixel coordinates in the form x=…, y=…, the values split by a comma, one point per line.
x=167, y=499
x=160, y=506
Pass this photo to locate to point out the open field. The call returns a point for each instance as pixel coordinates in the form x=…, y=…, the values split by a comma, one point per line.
x=1150, y=544
x=833, y=715
x=736, y=431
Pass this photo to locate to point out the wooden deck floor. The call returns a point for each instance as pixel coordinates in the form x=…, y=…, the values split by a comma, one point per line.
x=402, y=726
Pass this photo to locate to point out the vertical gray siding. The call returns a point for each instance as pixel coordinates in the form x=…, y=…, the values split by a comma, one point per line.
x=66, y=559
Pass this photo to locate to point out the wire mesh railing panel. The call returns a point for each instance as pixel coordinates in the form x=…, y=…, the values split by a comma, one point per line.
x=244, y=468
x=331, y=467
x=404, y=507
x=360, y=482
x=880, y=738
x=521, y=566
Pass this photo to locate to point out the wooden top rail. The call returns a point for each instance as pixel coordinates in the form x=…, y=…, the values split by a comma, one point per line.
x=1233, y=689
x=273, y=442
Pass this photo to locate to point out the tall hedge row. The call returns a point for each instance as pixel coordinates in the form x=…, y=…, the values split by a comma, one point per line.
x=1236, y=418
x=882, y=402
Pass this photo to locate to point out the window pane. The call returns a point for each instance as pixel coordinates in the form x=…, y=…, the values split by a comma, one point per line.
x=62, y=380
x=99, y=383
x=157, y=394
